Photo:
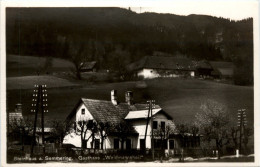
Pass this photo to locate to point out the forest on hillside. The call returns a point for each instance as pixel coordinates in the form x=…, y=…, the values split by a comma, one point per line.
x=115, y=37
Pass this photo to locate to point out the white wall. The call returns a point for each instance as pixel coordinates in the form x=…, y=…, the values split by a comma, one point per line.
x=75, y=138
x=86, y=116
x=153, y=73
x=140, y=126
x=148, y=73
x=109, y=142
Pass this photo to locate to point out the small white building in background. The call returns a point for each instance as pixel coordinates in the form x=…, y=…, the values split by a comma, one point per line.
x=162, y=66
x=114, y=112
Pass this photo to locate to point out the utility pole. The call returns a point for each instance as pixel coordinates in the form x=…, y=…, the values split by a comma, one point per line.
x=242, y=122
x=151, y=107
x=39, y=104
x=147, y=122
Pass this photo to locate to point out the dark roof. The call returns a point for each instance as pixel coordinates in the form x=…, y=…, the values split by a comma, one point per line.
x=105, y=111
x=203, y=64
x=221, y=64
x=89, y=65
x=223, y=68
x=162, y=62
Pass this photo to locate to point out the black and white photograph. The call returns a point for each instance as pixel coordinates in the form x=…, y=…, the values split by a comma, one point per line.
x=150, y=83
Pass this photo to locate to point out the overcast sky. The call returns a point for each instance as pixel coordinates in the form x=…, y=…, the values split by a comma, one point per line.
x=233, y=9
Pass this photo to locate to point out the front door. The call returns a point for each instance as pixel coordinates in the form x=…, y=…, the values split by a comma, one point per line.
x=142, y=144
x=128, y=144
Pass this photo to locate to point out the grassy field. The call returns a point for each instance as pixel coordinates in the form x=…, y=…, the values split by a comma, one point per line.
x=17, y=66
x=181, y=98
x=27, y=82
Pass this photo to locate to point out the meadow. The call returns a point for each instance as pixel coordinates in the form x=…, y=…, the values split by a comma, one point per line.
x=180, y=97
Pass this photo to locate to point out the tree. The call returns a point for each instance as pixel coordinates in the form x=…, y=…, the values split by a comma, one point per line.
x=93, y=127
x=75, y=49
x=163, y=134
x=234, y=132
x=182, y=129
x=123, y=129
x=20, y=127
x=247, y=133
x=59, y=129
x=82, y=128
x=213, y=123
x=104, y=128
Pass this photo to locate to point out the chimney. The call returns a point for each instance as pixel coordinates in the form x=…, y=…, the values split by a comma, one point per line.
x=129, y=97
x=18, y=108
x=114, y=97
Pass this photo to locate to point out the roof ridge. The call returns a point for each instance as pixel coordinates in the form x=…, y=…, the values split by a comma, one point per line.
x=95, y=99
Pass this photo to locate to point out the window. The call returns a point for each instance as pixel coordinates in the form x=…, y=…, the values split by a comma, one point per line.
x=90, y=124
x=116, y=143
x=75, y=126
x=163, y=125
x=158, y=144
x=171, y=143
x=97, y=143
x=128, y=144
x=142, y=144
x=165, y=144
x=83, y=111
x=155, y=124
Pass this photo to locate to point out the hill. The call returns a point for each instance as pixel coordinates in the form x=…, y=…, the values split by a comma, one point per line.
x=17, y=66
x=115, y=37
x=181, y=98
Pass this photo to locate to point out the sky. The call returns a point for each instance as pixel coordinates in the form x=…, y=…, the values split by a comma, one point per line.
x=235, y=10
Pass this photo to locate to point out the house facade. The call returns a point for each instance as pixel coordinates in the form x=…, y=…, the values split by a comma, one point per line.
x=134, y=114
x=222, y=70
x=162, y=66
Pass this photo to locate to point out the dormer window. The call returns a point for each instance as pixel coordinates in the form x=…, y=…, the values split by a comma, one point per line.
x=83, y=111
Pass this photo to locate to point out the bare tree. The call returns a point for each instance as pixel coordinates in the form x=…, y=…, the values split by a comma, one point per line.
x=247, y=133
x=59, y=129
x=163, y=134
x=75, y=49
x=104, y=128
x=182, y=129
x=234, y=132
x=93, y=130
x=213, y=123
x=20, y=127
x=82, y=128
x=87, y=130
x=123, y=130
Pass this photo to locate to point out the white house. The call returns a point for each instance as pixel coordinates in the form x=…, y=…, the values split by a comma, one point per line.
x=162, y=66
x=114, y=112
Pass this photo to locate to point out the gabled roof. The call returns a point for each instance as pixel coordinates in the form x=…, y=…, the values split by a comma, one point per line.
x=223, y=68
x=140, y=114
x=203, y=64
x=162, y=62
x=88, y=65
x=105, y=111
